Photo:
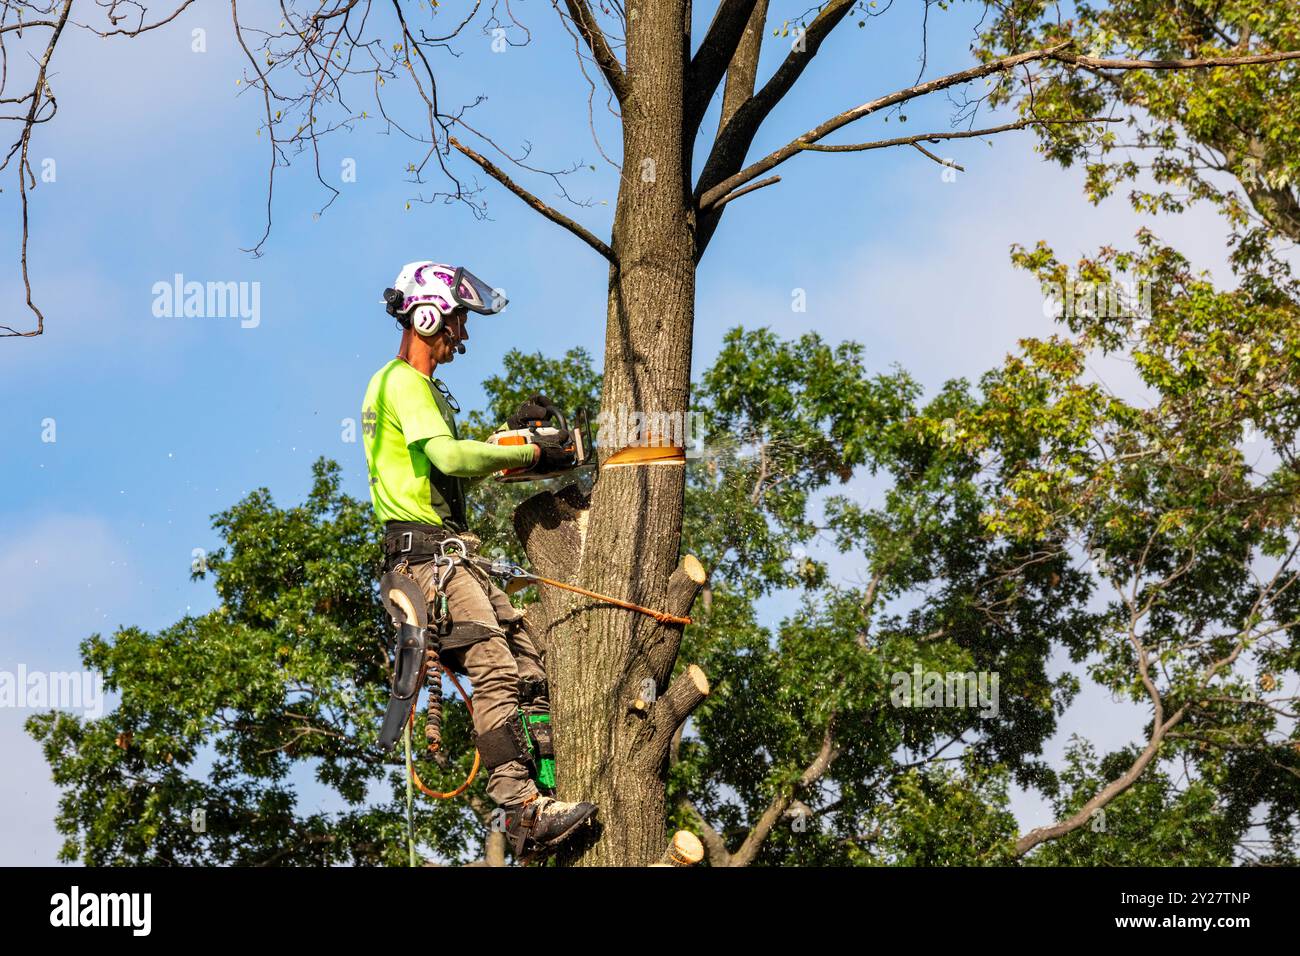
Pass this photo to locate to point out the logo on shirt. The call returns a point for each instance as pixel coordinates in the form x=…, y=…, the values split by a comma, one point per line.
x=369, y=422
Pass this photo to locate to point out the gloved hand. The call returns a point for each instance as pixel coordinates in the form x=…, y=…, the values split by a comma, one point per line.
x=537, y=408
x=556, y=454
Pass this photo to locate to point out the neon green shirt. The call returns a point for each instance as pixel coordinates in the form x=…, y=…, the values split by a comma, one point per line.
x=416, y=460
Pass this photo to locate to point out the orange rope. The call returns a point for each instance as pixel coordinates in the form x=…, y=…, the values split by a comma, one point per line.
x=661, y=616
x=415, y=776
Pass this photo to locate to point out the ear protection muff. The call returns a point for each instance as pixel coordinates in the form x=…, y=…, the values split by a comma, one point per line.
x=425, y=319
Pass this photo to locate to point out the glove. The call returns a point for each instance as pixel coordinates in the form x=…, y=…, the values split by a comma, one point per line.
x=557, y=454
x=537, y=408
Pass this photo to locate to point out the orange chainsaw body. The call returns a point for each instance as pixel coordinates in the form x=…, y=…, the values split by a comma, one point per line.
x=579, y=444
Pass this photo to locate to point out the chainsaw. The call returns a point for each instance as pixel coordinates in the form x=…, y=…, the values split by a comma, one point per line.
x=538, y=431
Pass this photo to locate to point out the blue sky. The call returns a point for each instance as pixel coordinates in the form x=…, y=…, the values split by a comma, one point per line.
x=162, y=422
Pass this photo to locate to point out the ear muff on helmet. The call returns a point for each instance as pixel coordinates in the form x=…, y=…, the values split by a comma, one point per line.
x=425, y=293
x=425, y=319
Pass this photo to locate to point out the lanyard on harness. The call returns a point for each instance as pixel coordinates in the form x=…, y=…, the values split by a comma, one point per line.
x=502, y=568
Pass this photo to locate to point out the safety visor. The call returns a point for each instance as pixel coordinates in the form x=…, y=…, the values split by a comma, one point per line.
x=475, y=294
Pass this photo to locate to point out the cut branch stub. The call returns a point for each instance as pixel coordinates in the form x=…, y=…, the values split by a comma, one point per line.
x=654, y=736
x=684, y=849
x=682, y=696
x=684, y=585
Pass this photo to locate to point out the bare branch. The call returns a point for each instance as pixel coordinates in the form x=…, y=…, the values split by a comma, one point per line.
x=812, y=773
x=141, y=28
x=771, y=180
x=942, y=162
x=961, y=134
x=555, y=216
x=735, y=138
x=714, y=192
x=585, y=20
x=316, y=18
x=24, y=142
x=29, y=24
x=716, y=55
x=270, y=121
x=1195, y=64
x=924, y=137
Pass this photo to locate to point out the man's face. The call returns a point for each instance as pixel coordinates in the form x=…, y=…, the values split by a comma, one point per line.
x=454, y=331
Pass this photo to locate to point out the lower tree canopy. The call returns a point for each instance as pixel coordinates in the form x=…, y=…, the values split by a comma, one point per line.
x=1032, y=519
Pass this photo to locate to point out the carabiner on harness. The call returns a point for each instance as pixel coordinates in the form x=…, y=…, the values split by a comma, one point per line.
x=501, y=568
x=457, y=545
x=441, y=622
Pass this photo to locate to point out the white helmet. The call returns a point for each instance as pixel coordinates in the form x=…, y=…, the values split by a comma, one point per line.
x=429, y=291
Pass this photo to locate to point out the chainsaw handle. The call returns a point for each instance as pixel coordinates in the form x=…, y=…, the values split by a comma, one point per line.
x=536, y=408
x=558, y=415
x=555, y=416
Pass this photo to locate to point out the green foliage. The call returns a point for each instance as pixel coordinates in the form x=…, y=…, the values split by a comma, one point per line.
x=788, y=420
x=1183, y=129
x=939, y=817
x=288, y=672
x=974, y=558
x=1192, y=543
x=781, y=421
x=1153, y=823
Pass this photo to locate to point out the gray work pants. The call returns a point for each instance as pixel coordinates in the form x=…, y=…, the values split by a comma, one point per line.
x=502, y=653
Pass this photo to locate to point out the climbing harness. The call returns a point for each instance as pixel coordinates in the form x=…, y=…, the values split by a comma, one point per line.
x=527, y=738
x=417, y=633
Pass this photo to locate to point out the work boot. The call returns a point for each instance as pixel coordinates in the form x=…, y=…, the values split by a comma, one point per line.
x=544, y=823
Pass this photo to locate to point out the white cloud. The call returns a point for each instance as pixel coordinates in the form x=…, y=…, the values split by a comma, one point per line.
x=938, y=293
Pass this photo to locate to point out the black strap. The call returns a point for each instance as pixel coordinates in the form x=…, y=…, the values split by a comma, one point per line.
x=520, y=829
x=450, y=488
x=504, y=744
x=464, y=633
x=413, y=541
x=532, y=688
x=543, y=740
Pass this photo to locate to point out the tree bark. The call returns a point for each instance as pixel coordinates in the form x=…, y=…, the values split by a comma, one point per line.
x=626, y=542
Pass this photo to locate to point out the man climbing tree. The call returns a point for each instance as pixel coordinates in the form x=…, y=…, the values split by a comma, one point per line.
x=617, y=703
x=418, y=466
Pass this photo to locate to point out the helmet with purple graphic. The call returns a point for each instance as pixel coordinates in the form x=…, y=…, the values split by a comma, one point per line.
x=426, y=292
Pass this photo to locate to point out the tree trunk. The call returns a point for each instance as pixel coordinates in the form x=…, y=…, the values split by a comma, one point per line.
x=600, y=659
